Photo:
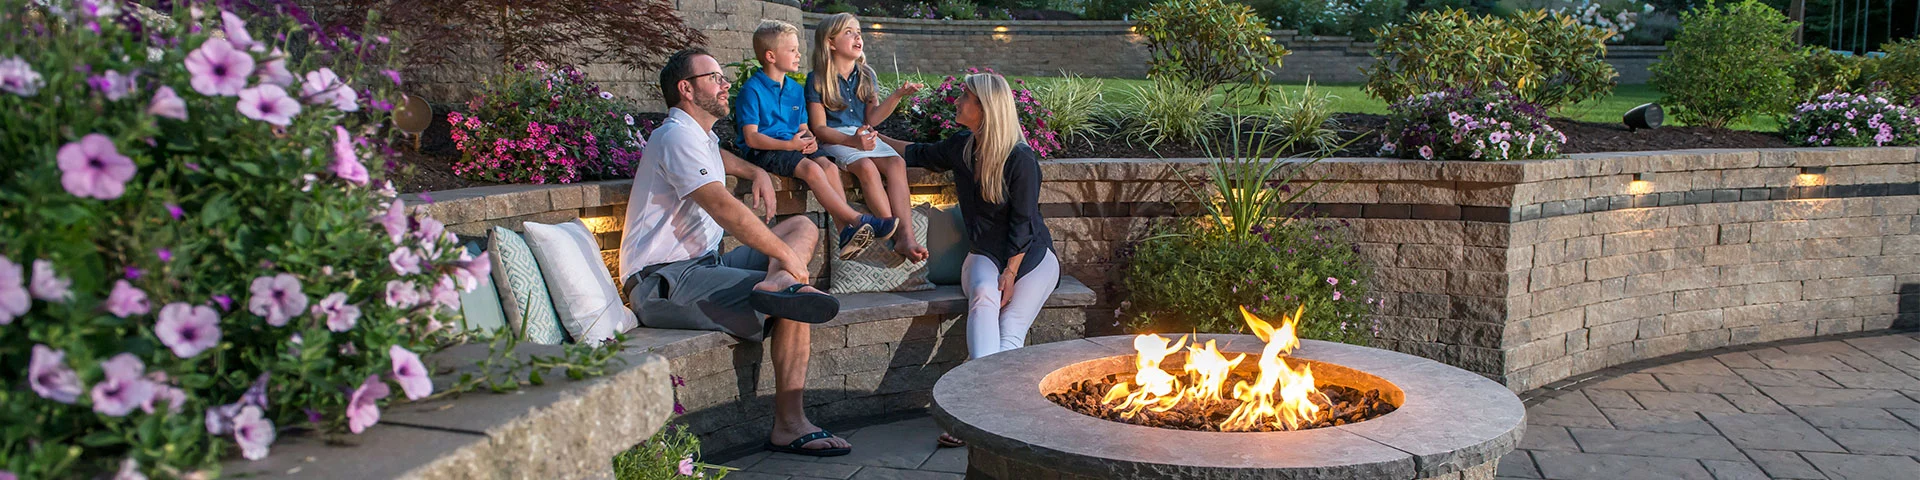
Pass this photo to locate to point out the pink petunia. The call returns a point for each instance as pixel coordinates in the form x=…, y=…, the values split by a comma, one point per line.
x=126, y=301
x=401, y=294
x=274, y=72
x=218, y=69
x=112, y=84
x=17, y=77
x=269, y=103
x=445, y=293
x=410, y=373
x=236, y=30
x=469, y=271
x=125, y=388
x=323, y=87
x=277, y=298
x=363, y=407
x=14, y=301
x=404, y=261
x=1333, y=281
x=94, y=168
x=340, y=315
x=346, y=164
x=1336, y=295
x=49, y=286
x=188, y=329
x=50, y=377
x=253, y=431
x=395, y=221
x=173, y=397
x=686, y=466
x=167, y=104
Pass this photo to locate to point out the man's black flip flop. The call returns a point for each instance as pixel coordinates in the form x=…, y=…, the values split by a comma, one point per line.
x=794, y=447
x=790, y=303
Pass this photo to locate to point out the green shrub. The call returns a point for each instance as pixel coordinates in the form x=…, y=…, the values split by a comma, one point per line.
x=1208, y=43
x=1076, y=104
x=1369, y=15
x=671, y=454
x=1728, y=61
x=1113, y=9
x=1437, y=50
x=1356, y=18
x=1306, y=119
x=1821, y=71
x=957, y=9
x=1170, y=111
x=839, y=7
x=1900, y=69
x=1549, y=59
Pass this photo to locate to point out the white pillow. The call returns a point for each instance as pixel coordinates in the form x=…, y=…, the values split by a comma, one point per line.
x=583, y=293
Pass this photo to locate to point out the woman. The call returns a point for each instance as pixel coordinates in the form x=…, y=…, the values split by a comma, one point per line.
x=1012, y=269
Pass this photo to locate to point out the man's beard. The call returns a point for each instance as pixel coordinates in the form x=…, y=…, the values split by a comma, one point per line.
x=715, y=105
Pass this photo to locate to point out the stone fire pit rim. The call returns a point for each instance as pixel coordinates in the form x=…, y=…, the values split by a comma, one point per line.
x=1452, y=420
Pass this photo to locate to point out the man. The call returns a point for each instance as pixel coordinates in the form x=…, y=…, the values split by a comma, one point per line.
x=675, y=276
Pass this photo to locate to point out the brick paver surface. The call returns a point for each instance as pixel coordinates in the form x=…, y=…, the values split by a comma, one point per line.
x=1840, y=409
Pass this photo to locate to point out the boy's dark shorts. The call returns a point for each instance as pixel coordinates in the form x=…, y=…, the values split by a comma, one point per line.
x=777, y=162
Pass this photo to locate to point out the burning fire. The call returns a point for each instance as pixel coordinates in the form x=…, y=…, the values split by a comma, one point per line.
x=1280, y=397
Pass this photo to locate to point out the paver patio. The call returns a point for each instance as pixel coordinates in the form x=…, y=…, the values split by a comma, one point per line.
x=1836, y=409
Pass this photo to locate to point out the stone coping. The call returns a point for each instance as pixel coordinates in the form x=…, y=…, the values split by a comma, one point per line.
x=1452, y=420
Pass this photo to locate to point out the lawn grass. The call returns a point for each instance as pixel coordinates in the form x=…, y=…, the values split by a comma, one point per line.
x=1353, y=98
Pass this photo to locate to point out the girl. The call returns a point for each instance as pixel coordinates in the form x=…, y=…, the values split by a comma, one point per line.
x=1012, y=269
x=842, y=108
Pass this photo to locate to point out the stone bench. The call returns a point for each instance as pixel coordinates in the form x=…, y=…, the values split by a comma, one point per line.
x=880, y=356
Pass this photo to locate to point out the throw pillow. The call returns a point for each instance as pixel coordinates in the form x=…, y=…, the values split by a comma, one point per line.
x=878, y=269
x=947, y=242
x=523, y=294
x=584, y=297
x=480, y=308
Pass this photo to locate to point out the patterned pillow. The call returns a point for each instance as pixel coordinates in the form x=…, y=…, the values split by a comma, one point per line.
x=523, y=293
x=878, y=269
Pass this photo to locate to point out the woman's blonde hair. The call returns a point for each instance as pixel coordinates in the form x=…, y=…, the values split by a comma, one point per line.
x=829, y=79
x=996, y=136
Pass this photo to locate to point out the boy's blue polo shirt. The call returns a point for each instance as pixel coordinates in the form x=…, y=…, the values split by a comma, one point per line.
x=778, y=110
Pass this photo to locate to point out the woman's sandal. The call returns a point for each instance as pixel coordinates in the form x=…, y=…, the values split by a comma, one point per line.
x=949, y=441
x=792, y=304
x=795, y=446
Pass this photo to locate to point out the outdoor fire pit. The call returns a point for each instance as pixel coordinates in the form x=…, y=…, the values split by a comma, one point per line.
x=1224, y=406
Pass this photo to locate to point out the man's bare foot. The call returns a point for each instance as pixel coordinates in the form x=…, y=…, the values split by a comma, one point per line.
x=947, y=440
x=784, y=435
x=910, y=249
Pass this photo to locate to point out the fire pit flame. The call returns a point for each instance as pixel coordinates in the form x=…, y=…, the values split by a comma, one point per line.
x=1280, y=397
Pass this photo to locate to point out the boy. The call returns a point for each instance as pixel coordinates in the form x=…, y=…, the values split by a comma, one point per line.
x=771, y=124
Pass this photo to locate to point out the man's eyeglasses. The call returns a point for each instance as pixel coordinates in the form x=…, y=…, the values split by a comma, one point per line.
x=717, y=77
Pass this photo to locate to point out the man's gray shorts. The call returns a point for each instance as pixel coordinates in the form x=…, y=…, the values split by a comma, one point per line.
x=705, y=293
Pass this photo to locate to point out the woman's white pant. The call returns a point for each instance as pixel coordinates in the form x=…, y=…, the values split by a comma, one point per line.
x=990, y=328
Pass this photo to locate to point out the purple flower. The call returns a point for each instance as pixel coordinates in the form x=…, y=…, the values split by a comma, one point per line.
x=278, y=298
x=686, y=466
x=174, y=397
x=49, y=376
x=236, y=30
x=167, y=104
x=226, y=302
x=125, y=388
x=219, y=419
x=1426, y=152
x=363, y=408
x=269, y=103
x=274, y=72
x=126, y=301
x=175, y=211
x=18, y=78
x=253, y=432
x=112, y=84
x=401, y=294
x=218, y=69
x=392, y=75
x=47, y=285
x=94, y=168
x=340, y=315
x=256, y=394
x=346, y=164
x=409, y=373
x=323, y=87
x=1336, y=295
x=429, y=229
x=164, y=254
x=445, y=294
x=129, y=470
x=1333, y=281
x=188, y=329
x=404, y=261
x=469, y=271
x=14, y=301
x=395, y=220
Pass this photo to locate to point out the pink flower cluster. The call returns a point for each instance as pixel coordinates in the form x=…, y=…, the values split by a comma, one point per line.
x=1468, y=125
x=545, y=125
x=935, y=111
x=1853, y=120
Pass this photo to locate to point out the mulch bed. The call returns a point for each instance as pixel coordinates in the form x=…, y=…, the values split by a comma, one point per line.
x=430, y=167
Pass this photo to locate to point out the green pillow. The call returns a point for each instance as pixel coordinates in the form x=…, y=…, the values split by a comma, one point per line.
x=480, y=308
x=947, y=242
x=878, y=268
x=523, y=292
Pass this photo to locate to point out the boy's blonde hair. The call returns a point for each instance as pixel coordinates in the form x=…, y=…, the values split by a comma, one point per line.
x=769, y=32
x=828, y=78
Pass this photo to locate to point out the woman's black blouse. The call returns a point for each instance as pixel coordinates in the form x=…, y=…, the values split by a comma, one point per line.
x=997, y=231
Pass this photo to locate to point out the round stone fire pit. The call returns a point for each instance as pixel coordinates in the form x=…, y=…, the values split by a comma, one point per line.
x=1450, y=424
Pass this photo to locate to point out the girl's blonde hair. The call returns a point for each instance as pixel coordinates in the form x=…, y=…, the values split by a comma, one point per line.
x=829, y=79
x=997, y=135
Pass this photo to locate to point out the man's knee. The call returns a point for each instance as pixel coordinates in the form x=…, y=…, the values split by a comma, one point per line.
x=798, y=224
